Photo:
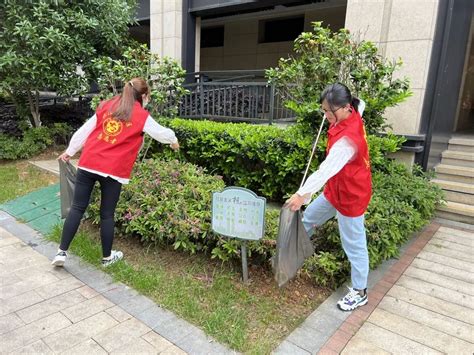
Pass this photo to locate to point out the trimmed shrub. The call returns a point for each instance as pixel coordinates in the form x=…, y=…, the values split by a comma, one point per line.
x=266, y=159
x=33, y=142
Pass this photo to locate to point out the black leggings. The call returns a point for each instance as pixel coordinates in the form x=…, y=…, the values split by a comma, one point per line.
x=110, y=193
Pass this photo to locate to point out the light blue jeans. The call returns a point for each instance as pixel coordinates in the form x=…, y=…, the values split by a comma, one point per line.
x=352, y=233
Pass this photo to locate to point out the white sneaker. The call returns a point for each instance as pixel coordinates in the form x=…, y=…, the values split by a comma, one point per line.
x=352, y=300
x=59, y=259
x=115, y=256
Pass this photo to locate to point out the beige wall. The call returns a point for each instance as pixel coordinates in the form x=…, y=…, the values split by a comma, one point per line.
x=166, y=27
x=241, y=49
x=401, y=29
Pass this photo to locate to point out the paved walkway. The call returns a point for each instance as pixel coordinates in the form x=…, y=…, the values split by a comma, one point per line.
x=430, y=308
x=79, y=309
x=421, y=304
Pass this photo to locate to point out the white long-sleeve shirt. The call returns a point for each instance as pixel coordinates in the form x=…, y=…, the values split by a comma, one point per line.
x=151, y=127
x=339, y=155
x=342, y=152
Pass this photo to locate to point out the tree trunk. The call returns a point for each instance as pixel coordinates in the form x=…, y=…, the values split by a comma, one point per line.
x=34, y=108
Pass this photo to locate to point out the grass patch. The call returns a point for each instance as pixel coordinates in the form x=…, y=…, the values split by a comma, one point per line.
x=252, y=318
x=19, y=178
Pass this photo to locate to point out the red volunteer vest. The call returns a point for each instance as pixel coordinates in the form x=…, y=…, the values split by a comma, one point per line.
x=349, y=191
x=113, y=145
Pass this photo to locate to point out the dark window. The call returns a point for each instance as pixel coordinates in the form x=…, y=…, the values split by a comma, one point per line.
x=280, y=30
x=212, y=37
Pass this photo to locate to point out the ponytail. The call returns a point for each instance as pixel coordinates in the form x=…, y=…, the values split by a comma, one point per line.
x=355, y=103
x=132, y=91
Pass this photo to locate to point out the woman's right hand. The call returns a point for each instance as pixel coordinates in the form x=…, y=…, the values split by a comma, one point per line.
x=64, y=157
x=175, y=146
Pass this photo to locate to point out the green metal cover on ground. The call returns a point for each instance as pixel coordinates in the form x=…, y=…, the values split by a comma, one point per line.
x=40, y=209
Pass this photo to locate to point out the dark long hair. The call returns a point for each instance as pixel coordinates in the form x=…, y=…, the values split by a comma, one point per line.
x=338, y=95
x=132, y=91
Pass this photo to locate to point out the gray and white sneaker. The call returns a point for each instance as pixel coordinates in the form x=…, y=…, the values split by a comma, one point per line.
x=60, y=258
x=352, y=300
x=115, y=256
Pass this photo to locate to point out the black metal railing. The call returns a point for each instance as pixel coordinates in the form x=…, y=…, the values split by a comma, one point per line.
x=256, y=102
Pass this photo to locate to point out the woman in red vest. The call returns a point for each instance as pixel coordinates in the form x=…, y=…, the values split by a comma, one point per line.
x=346, y=174
x=111, y=140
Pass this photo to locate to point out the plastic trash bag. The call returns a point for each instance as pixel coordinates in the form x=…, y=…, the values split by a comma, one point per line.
x=67, y=181
x=293, y=246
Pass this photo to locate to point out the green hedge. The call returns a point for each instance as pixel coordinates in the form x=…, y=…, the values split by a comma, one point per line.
x=265, y=159
x=33, y=142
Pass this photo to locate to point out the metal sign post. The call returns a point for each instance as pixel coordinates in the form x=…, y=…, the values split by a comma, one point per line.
x=239, y=213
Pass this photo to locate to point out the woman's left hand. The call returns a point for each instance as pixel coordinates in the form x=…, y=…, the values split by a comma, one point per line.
x=295, y=202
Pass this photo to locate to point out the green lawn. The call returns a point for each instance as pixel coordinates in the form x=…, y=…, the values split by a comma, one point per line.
x=252, y=319
x=19, y=178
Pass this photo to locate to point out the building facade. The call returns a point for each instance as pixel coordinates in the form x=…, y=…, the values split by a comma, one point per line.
x=433, y=38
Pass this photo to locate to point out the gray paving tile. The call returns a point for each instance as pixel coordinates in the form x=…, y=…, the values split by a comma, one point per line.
x=323, y=322
x=59, y=287
x=159, y=343
x=38, y=347
x=136, y=304
x=308, y=339
x=19, y=302
x=9, y=322
x=119, y=314
x=87, y=292
x=174, y=329
x=434, y=320
x=437, y=291
x=47, y=249
x=50, y=306
x=198, y=343
x=79, y=332
x=288, y=348
x=120, y=293
x=453, y=273
x=87, y=308
x=155, y=315
x=96, y=279
x=9, y=279
x=360, y=346
x=120, y=335
x=76, y=266
x=440, y=280
x=432, y=303
x=30, y=333
x=391, y=342
x=135, y=346
x=19, y=230
x=420, y=333
x=89, y=347
x=5, y=218
x=18, y=288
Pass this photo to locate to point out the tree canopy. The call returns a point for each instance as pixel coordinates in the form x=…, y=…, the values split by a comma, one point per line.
x=50, y=45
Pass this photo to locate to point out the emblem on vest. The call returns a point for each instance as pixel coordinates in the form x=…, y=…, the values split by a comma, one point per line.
x=111, y=128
